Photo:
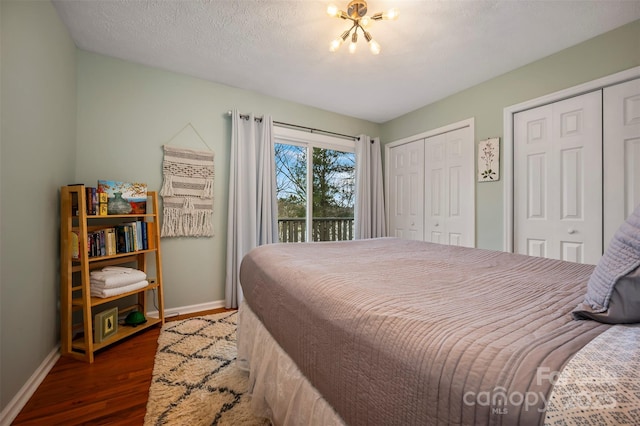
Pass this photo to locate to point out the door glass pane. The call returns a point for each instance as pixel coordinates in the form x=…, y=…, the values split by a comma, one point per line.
x=333, y=195
x=291, y=190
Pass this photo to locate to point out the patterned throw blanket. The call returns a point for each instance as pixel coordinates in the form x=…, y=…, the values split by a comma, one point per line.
x=599, y=386
x=187, y=193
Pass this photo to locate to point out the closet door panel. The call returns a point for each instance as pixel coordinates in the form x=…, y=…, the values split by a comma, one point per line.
x=577, y=132
x=396, y=194
x=621, y=117
x=436, y=185
x=537, y=186
x=558, y=180
x=406, y=197
x=572, y=164
x=536, y=247
x=532, y=148
x=449, y=162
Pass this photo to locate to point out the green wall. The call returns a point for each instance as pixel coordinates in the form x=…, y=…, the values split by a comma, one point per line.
x=38, y=102
x=609, y=53
x=127, y=112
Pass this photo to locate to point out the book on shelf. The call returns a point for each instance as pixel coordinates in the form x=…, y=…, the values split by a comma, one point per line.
x=139, y=243
x=75, y=245
x=103, y=199
x=91, y=195
x=137, y=234
x=103, y=243
x=133, y=231
x=110, y=241
x=88, y=199
x=121, y=239
x=145, y=241
x=118, y=239
x=96, y=244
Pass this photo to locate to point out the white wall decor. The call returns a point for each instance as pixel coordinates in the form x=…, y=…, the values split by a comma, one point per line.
x=489, y=160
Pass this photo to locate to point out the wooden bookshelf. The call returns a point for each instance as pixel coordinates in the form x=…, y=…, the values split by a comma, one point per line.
x=77, y=306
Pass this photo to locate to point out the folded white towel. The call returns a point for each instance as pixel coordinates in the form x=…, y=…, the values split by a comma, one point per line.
x=113, y=283
x=108, y=292
x=119, y=269
x=109, y=279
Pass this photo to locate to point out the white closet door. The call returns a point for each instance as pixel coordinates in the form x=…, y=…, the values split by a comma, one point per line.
x=435, y=165
x=558, y=180
x=621, y=154
x=406, y=192
x=449, y=188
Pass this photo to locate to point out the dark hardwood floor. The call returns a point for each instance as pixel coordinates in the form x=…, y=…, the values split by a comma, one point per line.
x=111, y=391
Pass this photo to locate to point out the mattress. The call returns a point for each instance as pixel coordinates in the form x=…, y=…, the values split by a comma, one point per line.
x=391, y=331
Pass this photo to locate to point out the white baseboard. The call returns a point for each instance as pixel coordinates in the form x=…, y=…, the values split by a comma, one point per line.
x=11, y=411
x=168, y=313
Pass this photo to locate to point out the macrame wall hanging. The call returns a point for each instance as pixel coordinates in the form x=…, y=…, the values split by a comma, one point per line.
x=187, y=192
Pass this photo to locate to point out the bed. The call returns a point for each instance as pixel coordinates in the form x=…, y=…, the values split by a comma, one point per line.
x=397, y=332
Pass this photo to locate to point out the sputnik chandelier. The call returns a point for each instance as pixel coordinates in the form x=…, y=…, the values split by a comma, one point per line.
x=356, y=13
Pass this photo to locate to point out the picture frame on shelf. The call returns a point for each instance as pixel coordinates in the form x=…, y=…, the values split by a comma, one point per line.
x=124, y=197
x=105, y=325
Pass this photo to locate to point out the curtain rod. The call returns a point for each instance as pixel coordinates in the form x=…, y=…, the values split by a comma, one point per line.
x=296, y=126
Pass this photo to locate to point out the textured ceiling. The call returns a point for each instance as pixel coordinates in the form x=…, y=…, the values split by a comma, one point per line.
x=280, y=47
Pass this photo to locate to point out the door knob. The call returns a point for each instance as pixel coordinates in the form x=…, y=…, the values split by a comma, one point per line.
x=571, y=231
x=437, y=224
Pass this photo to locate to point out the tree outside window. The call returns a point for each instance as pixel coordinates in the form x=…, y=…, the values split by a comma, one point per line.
x=332, y=193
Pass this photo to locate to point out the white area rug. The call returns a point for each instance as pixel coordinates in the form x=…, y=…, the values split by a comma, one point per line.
x=195, y=378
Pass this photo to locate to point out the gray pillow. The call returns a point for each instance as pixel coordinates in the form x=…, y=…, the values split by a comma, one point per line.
x=624, y=304
x=618, y=265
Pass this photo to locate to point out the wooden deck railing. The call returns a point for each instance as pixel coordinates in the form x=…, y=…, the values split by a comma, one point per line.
x=294, y=230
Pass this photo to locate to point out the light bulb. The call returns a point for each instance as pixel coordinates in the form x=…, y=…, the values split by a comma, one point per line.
x=391, y=14
x=352, y=47
x=335, y=44
x=332, y=10
x=354, y=43
x=365, y=21
x=374, y=47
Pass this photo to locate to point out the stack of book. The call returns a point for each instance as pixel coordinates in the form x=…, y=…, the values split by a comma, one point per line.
x=123, y=238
